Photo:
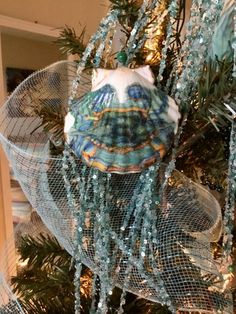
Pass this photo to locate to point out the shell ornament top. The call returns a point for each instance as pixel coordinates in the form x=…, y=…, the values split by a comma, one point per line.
x=124, y=124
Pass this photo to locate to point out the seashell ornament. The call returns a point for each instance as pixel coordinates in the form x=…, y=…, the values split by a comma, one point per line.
x=124, y=124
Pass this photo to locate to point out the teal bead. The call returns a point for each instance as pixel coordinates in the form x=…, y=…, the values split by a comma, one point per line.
x=231, y=268
x=122, y=57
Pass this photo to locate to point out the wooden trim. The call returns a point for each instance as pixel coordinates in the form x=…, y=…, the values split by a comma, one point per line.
x=6, y=225
x=24, y=29
x=28, y=29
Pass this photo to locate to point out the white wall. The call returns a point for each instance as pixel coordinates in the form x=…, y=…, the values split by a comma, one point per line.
x=57, y=13
x=21, y=51
x=24, y=53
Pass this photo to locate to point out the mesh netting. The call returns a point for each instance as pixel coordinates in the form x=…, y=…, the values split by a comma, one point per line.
x=12, y=266
x=8, y=301
x=157, y=246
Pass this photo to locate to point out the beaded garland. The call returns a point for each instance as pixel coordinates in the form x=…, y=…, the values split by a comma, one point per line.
x=230, y=203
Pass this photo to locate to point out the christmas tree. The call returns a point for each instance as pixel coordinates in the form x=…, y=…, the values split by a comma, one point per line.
x=201, y=148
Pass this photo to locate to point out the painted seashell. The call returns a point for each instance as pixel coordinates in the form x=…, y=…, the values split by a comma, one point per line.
x=124, y=124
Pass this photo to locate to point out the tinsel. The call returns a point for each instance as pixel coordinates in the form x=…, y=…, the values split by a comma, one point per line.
x=67, y=162
x=234, y=43
x=230, y=200
x=173, y=12
x=108, y=45
x=195, y=49
x=105, y=41
x=229, y=214
x=194, y=52
x=104, y=27
x=135, y=42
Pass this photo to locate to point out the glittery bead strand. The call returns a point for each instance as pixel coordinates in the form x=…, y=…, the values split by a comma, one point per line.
x=234, y=42
x=102, y=243
x=195, y=49
x=95, y=202
x=94, y=206
x=135, y=42
x=105, y=36
x=109, y=45
x=149, y=232
x=83, y=184
x=78, y=269
x=93, y=294
x=66, y=162
x=101, y=201
x=103, y=29
x=144, y=219
x=78, y=246
x=173, y=12
x=137, y=26
x=230, y=200
x=124, y=234
x=149, y=279
x=139, y=212
x=171, y=164
x=148, y=192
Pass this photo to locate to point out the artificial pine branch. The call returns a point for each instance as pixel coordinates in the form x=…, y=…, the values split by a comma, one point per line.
x=203, y=148
x=71, y=43
x=52, y=121
x=194, y=138
x=215, y=88
x=42, y=250
x=45, y=284
x=128, y=13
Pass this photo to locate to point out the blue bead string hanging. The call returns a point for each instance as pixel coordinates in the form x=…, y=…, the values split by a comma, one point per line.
x=140, y=208
x=230, y=202
x=195, y=49
x=102, y=185
x=135, y=42
x=194, y=52
x=146, y=230
x=106, y=24
x=173, y=12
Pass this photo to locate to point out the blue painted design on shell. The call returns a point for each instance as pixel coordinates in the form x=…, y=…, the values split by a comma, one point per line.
x=122, y=136
x=103, y=97
x=136, y=92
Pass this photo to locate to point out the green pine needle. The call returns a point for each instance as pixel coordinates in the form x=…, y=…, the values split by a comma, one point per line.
x=70, y=42
x=45, y=284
